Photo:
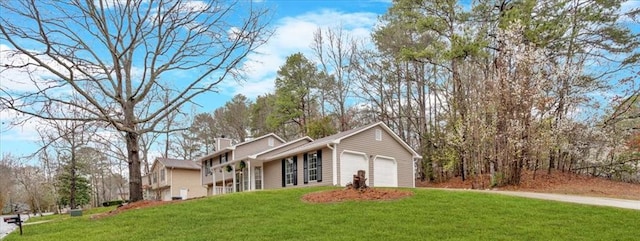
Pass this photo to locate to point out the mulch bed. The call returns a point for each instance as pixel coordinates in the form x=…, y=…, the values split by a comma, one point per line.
x=348, y=194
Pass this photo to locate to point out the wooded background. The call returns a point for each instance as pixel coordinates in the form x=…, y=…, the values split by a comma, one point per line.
x=484, y=92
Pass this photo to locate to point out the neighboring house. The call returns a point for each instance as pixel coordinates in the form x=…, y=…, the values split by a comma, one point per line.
x=175, y=178
x=229, y=165
x=332, y=160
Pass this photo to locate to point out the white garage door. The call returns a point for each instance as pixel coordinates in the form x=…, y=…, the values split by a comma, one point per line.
x=350, y=163
x=385, y=172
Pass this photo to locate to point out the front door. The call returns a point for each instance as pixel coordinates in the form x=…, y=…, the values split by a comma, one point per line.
x=242, y=180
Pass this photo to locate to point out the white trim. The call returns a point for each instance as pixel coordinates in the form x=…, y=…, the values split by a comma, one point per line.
x=289, y=161
x=233, y=170
x=308, y=157
x=250, y=187
x=171, y=185
x=334, y=162
x=414, y=172
x=213, y=184
x=388, y=157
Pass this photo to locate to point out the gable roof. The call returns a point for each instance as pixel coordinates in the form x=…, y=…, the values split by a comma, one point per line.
x=259, y=138
x=233, y=147
x=255, y=156
x=177, y=163
x=336, y=138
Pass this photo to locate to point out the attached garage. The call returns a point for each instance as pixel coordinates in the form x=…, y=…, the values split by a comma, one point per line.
x=385, y=172
x=350, y=163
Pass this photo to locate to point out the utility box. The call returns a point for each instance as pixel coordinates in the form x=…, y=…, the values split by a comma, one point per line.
x=75, y=212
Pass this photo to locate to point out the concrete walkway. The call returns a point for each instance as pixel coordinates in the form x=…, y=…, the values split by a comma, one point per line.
x=598, y=201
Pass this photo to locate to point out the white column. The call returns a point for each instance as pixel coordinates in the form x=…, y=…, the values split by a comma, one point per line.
x=224, y=189
x=213, y=184
x=233, y=171
x=249, y=177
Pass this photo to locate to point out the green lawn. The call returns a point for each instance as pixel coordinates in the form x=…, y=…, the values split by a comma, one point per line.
x=280, y=215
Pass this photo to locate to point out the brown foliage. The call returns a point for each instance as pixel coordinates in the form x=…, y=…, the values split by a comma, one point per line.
x=349, y=194
x=556, y=182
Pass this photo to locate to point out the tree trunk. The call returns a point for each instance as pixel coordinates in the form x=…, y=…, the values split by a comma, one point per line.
x=72, y=188
x=135, y=177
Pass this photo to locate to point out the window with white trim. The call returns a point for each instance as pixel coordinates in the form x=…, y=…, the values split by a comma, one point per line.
x=258, y=177
x=207, y=167
x=162, y=174
x=289, y=171
x=312, y=160
x=223, y=158
x=378, y=135
x=154, y=177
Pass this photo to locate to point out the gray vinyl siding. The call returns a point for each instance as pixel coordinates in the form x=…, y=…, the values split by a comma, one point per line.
x=365, y=142
x=242, y=151
x=273, y=172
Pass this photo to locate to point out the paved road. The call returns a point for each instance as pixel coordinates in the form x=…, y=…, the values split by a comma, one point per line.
x=598, y=201
x=6, y=228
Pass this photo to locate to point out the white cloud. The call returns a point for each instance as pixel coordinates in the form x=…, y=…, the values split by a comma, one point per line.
x=295, y=34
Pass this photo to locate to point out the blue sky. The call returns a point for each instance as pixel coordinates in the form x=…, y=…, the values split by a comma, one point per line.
x=294, y=23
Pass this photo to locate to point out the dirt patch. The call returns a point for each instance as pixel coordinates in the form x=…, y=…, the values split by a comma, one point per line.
x=556, y=182
x=131, y=206
x=347, y=194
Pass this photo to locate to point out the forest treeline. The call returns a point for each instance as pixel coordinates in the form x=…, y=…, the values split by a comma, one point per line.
x=488, y=90
x=484, y=90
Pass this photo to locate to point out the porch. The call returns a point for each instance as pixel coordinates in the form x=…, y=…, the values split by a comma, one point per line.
x=234, y=176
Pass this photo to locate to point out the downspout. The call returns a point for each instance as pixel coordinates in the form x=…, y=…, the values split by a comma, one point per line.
x=415, y=165
x=334, y=162
x=171, y=185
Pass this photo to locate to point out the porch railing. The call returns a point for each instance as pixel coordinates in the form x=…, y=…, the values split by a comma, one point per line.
x=221, y=190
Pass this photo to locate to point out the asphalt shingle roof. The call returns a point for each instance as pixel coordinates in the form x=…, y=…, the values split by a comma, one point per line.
x=179, y=163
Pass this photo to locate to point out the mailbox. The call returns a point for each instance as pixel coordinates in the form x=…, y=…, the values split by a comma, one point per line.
x=15, y=220
x=12, y=219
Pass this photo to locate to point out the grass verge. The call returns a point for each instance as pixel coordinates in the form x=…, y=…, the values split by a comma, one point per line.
x=281, y=215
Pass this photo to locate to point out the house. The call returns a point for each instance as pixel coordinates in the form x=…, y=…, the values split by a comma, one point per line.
x=175, y=178
x=229, y=167
x=332, y=160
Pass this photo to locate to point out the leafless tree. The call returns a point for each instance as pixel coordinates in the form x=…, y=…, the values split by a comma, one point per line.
x=335, y=50
x=114, y=54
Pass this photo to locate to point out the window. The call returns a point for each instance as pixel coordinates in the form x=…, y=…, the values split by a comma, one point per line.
x=289, y=169
x=206, y=168
x=162, y=174
x=258, y=177
x=155, y=177
x=378, y=135
x=312, y=167
x=223, y=158
x=312, y=159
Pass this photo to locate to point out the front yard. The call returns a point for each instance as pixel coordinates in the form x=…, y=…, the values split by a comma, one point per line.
x=282, y=215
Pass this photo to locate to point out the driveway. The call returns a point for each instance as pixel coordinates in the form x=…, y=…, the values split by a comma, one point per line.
x=598, y=201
